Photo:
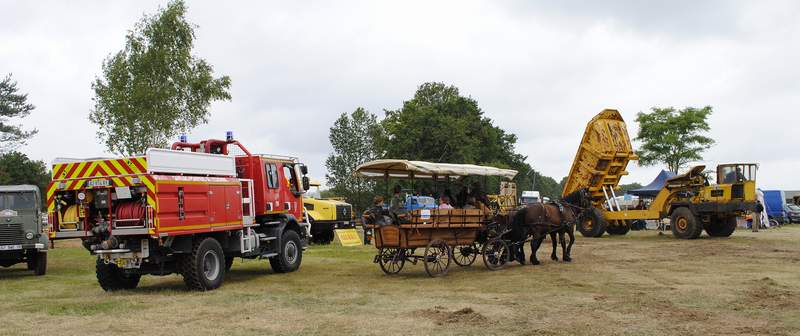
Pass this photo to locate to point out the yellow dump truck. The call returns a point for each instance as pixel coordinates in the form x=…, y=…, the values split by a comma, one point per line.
x=689, y=200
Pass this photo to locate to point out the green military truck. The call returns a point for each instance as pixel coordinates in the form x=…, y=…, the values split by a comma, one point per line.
x=23, y=230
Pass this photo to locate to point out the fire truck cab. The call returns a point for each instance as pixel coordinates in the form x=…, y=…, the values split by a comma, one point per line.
x=190, y=210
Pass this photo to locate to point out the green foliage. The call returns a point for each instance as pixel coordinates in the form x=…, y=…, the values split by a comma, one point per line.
x=628, y=187
x=17, y=168
x=440, y=125
x=154, y=88
x=674, y=137
x=354, y=139
x=13, y=105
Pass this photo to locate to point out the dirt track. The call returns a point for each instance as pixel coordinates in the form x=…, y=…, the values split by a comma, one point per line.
x=640, y=284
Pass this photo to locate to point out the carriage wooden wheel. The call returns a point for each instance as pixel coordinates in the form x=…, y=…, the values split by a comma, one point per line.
x=436, y=258
x=391, y=260
x=495, y=254
x=465, y=255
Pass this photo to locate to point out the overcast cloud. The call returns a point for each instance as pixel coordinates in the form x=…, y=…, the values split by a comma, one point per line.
x=539, y=69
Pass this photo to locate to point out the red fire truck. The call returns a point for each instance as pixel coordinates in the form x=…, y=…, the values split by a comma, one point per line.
x=190, y=210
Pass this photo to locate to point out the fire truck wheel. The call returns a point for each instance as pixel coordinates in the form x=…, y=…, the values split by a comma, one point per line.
x=111, y=278
x=204, y=268
x=40, y=263
x=684, y=224
x=290, y=254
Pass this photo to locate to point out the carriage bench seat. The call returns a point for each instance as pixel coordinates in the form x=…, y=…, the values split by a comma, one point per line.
x=444, y=218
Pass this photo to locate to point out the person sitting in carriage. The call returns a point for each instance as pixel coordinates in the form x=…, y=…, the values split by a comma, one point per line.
x=444, y=202
x=376, y=214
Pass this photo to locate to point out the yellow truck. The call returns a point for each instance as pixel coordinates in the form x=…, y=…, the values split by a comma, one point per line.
x=689, y=200
x=326, y=214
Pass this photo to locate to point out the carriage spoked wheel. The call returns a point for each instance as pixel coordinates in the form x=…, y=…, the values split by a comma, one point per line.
x=391, y=260
x=436, y=258
x=495, y=254
x=465, y=255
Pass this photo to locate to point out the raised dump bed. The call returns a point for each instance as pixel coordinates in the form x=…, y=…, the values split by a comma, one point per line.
x=601, y=160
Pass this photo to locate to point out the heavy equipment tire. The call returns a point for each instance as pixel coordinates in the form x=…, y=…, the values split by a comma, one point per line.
x=593, y=224
x=228, y=263
x=204, y=268
x=40, y=263
x=684, y=224
x=111, y=278
x=722, y=227
x=622, y=228
x=290, y=254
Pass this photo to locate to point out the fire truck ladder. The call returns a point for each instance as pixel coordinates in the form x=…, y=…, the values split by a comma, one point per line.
x=249, y=238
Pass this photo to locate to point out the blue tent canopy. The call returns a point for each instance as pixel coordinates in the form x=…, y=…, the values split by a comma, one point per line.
x=652, y=189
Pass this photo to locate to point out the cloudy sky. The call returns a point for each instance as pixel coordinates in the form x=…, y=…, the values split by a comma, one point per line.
x=539, y=69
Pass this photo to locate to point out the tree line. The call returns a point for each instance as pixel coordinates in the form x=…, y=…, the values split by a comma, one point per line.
x=439, y=124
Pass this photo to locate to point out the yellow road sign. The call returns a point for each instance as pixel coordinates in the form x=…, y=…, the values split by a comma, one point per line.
x=347, y=237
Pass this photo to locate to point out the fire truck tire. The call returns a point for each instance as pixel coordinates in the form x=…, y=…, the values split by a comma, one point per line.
x=290, y=254
x=204, y=268
x=722, y=227
x=684, y=224
x=111, y=278
x=40, y=263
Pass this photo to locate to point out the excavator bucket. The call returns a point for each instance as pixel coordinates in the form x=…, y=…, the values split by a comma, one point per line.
x=602, y=157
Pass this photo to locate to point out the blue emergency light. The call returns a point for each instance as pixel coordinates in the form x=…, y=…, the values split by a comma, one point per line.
x=229, y=135
x=184, y=138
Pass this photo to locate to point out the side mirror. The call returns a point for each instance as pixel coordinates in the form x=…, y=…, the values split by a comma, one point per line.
x=304, y=170
x=306, y=183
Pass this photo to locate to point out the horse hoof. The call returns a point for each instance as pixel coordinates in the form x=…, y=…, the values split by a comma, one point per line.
x=567, y=259
x=554, y=258
x=535, y=262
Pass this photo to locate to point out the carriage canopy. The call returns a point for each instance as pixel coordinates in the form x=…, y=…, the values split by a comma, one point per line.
x=395, y=168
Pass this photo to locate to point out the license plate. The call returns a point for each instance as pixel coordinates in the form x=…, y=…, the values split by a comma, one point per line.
x=10, y=247
x=98, y=183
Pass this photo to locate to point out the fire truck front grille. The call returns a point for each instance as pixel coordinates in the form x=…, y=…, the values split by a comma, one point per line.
x=344, y=212
x=11, y=233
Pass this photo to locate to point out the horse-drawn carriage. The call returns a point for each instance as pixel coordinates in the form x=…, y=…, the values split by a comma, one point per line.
x=444, y=235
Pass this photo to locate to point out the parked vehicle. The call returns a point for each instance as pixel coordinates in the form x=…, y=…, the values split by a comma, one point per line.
x=23, y=233
x=420, y=202
x=689, y=200
x=793, y=213
x=190, y=210
x=774, y=201
x=326, y=215
x=530, y=197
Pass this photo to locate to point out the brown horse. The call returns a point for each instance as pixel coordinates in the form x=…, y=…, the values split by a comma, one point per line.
x=539, y=220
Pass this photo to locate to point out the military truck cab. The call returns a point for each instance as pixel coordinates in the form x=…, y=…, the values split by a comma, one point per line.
x=23, y=232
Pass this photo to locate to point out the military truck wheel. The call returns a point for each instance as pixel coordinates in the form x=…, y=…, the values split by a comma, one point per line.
x=40, y=263
x=290, y=255
x=684, y=224
x=111, y=278
x=722, y=227
x=621, y=228
x=593, y=224
x=204, y=268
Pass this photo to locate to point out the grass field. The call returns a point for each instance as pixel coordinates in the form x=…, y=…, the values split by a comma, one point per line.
x=640, y=284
